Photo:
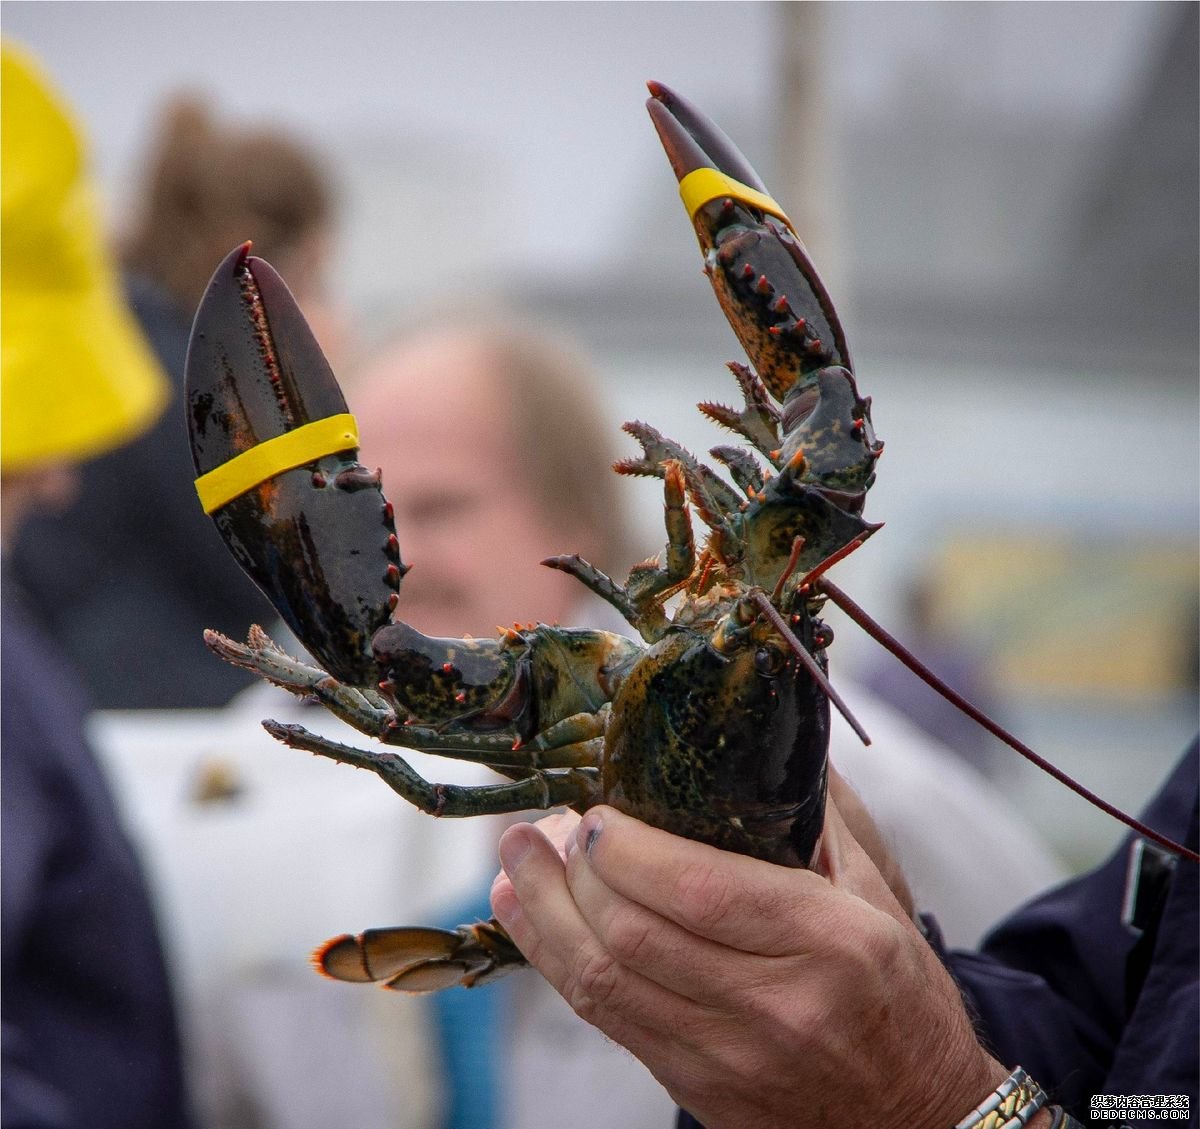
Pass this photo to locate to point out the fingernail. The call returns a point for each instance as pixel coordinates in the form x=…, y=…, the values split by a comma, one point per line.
x=590, y=830
x=514, y=846
x=507, y=909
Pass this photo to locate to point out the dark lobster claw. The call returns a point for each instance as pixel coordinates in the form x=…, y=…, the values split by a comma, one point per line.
x=764, y=279
x=275, y=454
x=777, y=305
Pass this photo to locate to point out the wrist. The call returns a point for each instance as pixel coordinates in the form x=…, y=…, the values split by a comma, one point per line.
x=959, y=1090
x=1016, y=1103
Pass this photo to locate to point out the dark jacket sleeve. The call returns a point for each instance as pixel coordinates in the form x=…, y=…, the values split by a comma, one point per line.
x=89, y=1032
x=29, y=1101
x=1084, y=1003
x=28, y=1098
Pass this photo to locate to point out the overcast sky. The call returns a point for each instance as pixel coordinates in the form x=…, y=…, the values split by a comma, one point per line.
x=547, y=97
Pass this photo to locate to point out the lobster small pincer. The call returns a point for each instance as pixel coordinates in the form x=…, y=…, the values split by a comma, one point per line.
x=714, y=725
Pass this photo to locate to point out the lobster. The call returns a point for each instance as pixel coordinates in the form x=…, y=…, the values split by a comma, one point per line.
x=715, y=726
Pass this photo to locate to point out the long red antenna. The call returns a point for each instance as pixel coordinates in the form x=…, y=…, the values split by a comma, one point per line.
x=889, y=642
x=789, y=637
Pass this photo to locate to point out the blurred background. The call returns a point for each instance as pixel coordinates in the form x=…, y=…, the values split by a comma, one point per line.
x=1001, y=197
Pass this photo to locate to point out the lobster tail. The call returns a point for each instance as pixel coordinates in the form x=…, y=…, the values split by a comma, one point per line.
x=417, y=959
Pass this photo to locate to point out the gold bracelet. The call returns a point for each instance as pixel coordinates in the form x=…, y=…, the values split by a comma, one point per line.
x=1009, y=1106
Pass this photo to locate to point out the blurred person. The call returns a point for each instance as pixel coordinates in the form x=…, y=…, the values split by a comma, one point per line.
x=493, y=456
x=130, y=575
x=89, y=1031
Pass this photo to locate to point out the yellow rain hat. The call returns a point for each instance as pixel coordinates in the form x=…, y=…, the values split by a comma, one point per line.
x=78, y=378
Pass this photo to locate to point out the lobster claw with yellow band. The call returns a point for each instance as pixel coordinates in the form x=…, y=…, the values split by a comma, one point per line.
x=275, y=452
x=766, y=283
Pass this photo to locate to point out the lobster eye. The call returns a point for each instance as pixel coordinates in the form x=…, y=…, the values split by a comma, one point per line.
x=767, y=660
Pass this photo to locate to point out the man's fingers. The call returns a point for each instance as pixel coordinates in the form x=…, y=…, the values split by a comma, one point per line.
x=559, y=828
x=845, y=803
x=851, y=869
x=734, y=900
x=664, y=952
x=544, y=921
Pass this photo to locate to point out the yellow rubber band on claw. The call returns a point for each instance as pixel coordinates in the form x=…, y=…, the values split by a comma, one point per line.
x=265, y=460
x=702, y=185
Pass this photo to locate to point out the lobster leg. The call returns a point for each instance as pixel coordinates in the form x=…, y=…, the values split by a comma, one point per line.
x=599, y=582
x=712, y=497
x=572, y=787
x=570, y=743
x=640, y=600
x=758, y=421
x=260, y=655
x=649, y=585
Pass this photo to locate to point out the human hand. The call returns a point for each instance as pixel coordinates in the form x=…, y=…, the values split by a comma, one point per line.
x=558, y=830
x=866, y=833
x=756, y=994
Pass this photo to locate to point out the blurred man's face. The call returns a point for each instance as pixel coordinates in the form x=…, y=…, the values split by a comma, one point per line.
x=431, y=416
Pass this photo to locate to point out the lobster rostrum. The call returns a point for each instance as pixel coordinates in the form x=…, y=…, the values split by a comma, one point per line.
x=715, y=726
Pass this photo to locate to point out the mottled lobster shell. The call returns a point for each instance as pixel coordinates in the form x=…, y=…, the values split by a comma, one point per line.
x=318, y=539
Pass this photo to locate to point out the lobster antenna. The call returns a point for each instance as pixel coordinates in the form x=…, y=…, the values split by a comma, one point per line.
x=833, y=558
x=789, y=636
x=886, y=640
x=789, y=568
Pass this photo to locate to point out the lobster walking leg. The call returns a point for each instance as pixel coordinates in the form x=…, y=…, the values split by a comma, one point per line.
x=260, y=655
x=574, y=787
x=640, y=600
